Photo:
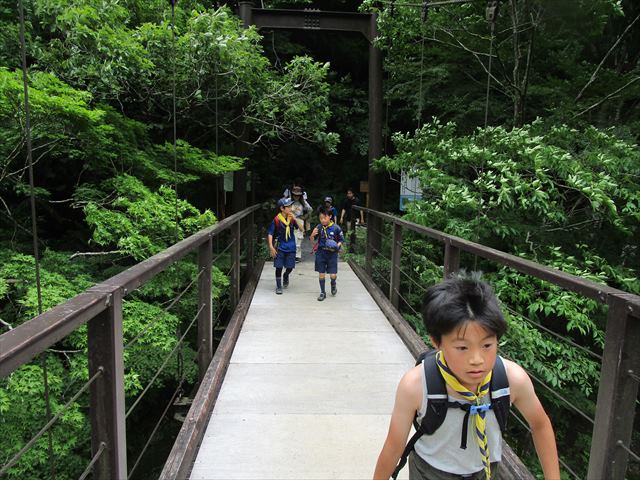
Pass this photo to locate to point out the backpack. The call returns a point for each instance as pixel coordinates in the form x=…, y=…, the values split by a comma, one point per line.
x=276, y=230
x=438, y=403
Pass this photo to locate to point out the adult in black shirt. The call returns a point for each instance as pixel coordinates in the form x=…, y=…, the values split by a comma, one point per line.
x=348, y=214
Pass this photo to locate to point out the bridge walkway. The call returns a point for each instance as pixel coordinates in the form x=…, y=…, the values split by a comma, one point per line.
x=310, y=387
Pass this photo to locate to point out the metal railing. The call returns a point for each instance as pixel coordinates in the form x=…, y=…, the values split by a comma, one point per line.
x=620, y=360
x=100, y=307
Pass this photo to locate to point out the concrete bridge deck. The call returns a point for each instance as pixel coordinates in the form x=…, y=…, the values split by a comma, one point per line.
x=310, y=387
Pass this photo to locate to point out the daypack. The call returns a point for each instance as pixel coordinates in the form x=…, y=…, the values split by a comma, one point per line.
x=276, y=230
x=438, y=403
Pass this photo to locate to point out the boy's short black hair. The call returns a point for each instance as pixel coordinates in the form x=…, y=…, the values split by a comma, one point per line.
x=460, y=299
x=323, y=210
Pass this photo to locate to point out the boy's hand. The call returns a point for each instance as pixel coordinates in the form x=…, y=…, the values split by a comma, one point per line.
x=272, y=251
x=314, y=233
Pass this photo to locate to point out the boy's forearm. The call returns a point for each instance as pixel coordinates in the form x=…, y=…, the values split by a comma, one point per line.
x=386, y=464
x=545, y=442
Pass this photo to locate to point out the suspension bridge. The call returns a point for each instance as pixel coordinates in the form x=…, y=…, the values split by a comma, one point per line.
x=296, y=389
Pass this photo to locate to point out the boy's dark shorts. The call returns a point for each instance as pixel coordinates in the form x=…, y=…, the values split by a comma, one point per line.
x=285, y=259
x=326, y=262
x=421, y=470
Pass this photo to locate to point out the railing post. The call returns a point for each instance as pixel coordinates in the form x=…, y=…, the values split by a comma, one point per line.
x=235, y=257
x=369, y=249
x=251, y=238
x=205, y=333
x=451, y=259
x=396, y=253
x=616, y=393
x=107, y=407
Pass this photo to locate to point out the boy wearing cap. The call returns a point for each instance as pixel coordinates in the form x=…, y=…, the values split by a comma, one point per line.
x=281, y=228
x=328, y=203
x=329, y=245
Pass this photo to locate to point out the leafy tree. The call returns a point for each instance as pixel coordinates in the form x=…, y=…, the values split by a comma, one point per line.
x=559, y=196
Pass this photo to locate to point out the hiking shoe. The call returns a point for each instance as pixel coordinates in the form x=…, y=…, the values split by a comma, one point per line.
x=334, y=290
x=285, y=282
x=278, y=290
x=322, y=296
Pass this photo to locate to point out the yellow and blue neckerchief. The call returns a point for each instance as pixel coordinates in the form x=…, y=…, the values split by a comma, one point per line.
x=287, y=231
x=479, y=413
x=326, y=234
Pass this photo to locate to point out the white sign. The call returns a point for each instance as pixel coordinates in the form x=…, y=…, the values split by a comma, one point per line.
x=410, y=190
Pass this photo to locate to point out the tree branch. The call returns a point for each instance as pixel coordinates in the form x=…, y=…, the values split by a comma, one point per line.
x=607, y=97
x=94, y=254
x=595, y=72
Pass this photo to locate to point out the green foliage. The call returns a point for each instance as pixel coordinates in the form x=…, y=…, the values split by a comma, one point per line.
x=140, y=222
x=558, y=196
x=23, y=412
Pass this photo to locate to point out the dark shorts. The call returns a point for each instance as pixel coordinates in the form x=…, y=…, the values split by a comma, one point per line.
x=326, y=262
x=285, y=259
x=419, y=469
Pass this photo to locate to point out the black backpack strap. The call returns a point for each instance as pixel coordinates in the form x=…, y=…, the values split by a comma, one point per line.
x=437, y=405
x=407, y=450
x=437, y=398
x=500, y=394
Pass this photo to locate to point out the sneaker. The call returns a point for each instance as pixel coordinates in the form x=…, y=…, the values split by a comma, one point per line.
x=322, y=296
x=334, y=289
x=285, y=282
x=298, y=259
x=278, y=290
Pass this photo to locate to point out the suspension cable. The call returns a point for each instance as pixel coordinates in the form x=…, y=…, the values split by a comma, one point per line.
x=159, y=371
x=47, y=427
x=93, y=461
x=551, y=332
x=491, y=16
x=166, y=309
x=155, y=429
x=526, y=427
x=558, y=396
x=34, y=225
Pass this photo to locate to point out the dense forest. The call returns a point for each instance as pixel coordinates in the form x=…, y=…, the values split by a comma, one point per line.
x=522, y=132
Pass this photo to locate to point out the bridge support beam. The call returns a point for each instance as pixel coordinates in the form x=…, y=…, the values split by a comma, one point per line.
x=205, y=327
x=107, y=391
x=376, y=180
x=396, y=256
x=617, y=393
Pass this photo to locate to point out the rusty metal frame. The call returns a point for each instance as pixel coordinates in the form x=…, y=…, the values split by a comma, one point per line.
x=316, y=20
x=101, y=307
x=621, y=357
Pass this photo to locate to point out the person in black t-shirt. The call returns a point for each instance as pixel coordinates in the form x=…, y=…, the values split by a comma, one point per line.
x=348, y=214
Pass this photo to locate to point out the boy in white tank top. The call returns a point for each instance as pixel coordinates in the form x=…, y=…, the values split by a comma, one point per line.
x=465, y=322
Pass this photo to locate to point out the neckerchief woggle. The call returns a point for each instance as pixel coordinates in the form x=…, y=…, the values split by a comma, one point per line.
x=480, y=420
x=287, y=231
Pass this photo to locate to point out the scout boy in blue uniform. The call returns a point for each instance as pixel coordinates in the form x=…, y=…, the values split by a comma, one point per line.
x=284, y=252
x=329, y=244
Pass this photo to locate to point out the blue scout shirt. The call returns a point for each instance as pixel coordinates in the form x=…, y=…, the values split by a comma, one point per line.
x=331, y=231
x=285, y=244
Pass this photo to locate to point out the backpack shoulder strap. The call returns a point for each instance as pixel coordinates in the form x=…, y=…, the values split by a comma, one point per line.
x=437, y=405
x=437, y=398
x=500, y=394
